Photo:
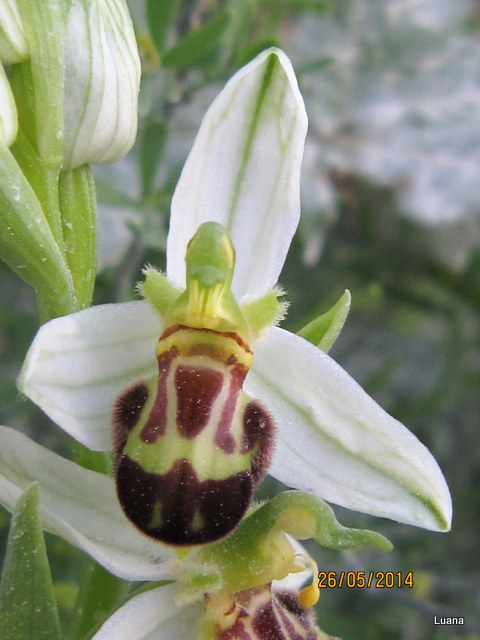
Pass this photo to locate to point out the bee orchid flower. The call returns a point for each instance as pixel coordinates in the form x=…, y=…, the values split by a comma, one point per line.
x=206, y=395
x=331, y=439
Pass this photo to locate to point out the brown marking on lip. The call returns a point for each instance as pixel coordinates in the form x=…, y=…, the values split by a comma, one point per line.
x=126, y=413
x=207, y=350
x=265, y=623
x=223, y=436
x=184, y=501
x=258, y=431
x=282, y=618
x=156, y=423
x=196, y=389
x=223, y=334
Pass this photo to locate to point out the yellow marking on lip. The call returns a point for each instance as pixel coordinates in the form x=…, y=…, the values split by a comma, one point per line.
x=157, y=518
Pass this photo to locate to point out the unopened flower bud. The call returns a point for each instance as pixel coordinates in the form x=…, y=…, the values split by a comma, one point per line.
x=13, y=44
x=102, y=75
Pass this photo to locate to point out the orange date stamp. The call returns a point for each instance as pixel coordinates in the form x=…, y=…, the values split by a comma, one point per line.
x=365, y=579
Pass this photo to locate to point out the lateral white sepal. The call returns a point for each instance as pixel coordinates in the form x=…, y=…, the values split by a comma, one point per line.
x=80, y=506
x=78, y=364
x=335, y=441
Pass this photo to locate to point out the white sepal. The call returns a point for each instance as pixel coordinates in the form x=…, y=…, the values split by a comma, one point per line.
x=8, y=112
x=244, y=172
x=335, y=441
x=153, y=615
x=78, y=364
x=102, y=78
x=80, y=506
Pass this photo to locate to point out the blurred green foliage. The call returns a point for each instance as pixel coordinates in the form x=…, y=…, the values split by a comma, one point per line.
x=412, y=337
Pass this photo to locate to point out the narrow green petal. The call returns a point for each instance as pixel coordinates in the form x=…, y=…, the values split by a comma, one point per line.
x=336, y=442
x=325, y=329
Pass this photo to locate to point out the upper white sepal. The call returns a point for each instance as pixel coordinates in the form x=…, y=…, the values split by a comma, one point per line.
x=244, y=172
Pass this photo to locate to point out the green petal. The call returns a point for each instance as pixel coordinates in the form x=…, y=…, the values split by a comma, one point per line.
x=325, y=329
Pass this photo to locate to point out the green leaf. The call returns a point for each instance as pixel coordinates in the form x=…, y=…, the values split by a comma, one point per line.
x=28, y=610
x=100, y=595
x=315, y=65
x=324, y=330
x=43, y=22
x=42, y=178
x=152, y=144
x=160, y=16
x=27, y=244
x=197, y=43
x=76, y=190
x=317, y=6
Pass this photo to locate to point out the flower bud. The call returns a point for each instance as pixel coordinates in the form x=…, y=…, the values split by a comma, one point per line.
x=13, y=44
x=102, y=76
x=8, y=111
